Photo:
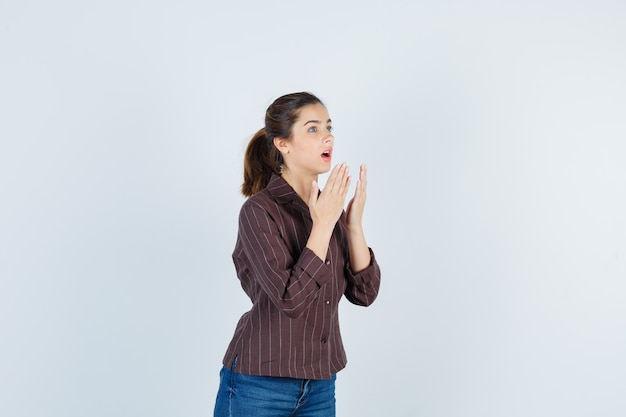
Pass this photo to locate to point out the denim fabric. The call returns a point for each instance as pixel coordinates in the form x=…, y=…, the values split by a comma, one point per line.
x=241, y=395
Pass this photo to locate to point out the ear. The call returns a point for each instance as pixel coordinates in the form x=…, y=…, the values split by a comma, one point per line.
x=282, y=145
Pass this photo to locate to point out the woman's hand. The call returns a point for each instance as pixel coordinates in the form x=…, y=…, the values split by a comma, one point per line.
x=359, y=252
x=327, y=208
x=354, y=212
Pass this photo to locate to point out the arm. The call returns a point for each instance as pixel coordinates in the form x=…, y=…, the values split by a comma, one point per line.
x=326, y=208
x=359, y=251
x=363, y=272
x=262, y=257
x=363, y=286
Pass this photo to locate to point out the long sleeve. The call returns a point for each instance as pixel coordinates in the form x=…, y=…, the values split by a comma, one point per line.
x=291, y=281
x=292, y=328
x=363, y=286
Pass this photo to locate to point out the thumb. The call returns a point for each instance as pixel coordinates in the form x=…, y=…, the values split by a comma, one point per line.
x=314, y=192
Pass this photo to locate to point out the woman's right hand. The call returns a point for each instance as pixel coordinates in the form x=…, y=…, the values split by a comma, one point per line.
x=326, y=208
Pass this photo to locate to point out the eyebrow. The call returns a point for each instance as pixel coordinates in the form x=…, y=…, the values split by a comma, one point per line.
x=317, y=121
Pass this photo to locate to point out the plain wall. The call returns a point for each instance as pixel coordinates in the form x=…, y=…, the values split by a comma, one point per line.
x=495, y=136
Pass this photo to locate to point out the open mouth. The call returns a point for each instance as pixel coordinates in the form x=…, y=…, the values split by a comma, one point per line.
x=326, y=155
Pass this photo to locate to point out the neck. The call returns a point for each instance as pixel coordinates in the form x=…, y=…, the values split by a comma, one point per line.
x=301, y=183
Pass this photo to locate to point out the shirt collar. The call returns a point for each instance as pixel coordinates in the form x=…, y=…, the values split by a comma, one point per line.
x=281, y=190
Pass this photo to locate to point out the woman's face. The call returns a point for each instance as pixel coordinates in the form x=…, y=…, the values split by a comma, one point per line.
x=310, y=150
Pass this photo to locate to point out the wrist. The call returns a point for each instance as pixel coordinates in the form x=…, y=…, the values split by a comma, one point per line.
x=355, y=230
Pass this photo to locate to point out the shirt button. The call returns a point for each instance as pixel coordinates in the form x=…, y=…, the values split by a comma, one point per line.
x=328, y=262
x=327, y=302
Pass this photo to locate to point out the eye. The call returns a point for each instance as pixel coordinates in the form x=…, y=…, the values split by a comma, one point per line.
x=330, y=128
x=312, y=129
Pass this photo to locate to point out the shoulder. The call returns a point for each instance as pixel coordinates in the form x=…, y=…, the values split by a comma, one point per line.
x=273, y=201
x=261, y=212
x=260, y=204
x=276, y=194
x=262, y=199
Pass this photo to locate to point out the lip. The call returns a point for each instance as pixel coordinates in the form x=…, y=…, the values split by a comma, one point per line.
x=327, y=154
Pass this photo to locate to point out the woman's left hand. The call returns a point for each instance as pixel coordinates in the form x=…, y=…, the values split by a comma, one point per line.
x=354, y=212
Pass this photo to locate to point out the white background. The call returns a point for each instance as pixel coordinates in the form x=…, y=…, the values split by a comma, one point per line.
x=495, y=135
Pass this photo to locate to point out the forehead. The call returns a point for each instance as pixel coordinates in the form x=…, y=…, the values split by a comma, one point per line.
x=313, y=112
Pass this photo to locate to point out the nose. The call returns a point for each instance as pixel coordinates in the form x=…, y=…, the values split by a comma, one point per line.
x=329, y=139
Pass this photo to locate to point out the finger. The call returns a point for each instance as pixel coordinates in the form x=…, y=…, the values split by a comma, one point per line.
x=342, y=180
x=313, y=195
x=363, y=176
x=345, y=186
x=359, y=192
x=345, y=179
x=333, y=178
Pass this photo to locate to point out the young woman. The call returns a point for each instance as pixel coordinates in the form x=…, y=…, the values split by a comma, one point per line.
x=297, y=253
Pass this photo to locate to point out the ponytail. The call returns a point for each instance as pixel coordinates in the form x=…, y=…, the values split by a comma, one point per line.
x=262, y=158
x=260, y=161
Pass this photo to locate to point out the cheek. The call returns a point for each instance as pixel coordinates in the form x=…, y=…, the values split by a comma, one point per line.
x=305, y=147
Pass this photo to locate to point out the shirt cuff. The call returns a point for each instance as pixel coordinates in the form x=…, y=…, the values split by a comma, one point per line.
x=367, y=274
x=314, y=267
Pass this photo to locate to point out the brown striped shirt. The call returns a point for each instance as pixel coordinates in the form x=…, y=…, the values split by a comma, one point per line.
x=292, y=329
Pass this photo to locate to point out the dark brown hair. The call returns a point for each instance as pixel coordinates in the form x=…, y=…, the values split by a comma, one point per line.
x=262, y=158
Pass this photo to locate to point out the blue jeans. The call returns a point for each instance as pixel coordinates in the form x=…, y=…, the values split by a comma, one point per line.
x=241, y=395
